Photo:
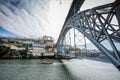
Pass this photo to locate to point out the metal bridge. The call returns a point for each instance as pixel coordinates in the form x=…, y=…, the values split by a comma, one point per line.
x=95, y=24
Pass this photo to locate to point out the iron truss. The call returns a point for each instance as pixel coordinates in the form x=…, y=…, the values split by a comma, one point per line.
x=97, y=25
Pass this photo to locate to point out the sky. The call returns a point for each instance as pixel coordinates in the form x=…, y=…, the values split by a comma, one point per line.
x=24, y=17
x=33, y=18
x=4, y=32
x=36, y=18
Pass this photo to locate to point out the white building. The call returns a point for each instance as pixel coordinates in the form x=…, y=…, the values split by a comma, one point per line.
x=38, y=50
x=13, y=47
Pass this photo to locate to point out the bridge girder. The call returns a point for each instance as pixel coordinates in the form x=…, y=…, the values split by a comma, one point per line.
x=96, y=24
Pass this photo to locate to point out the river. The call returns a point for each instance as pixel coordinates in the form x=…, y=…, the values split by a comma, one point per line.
x=73, y=69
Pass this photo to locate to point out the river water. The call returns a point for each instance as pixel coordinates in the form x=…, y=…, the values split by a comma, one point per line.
x=74, y=69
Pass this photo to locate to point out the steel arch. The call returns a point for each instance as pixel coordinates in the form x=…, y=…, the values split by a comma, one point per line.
x=96, y=25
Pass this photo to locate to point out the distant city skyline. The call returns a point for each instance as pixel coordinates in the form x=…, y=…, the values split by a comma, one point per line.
x=89, y=45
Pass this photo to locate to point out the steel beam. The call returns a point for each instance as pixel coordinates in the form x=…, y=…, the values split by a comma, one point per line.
x=96, y=25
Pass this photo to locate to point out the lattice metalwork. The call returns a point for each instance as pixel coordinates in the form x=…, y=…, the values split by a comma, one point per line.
x=97, y=24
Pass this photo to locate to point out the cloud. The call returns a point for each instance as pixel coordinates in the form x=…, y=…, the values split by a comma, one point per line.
x=26, y=18
x=58, y=10
x=34, y=18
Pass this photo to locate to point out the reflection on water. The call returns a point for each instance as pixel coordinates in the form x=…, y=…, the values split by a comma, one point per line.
x=74, y=69
x=30, y=70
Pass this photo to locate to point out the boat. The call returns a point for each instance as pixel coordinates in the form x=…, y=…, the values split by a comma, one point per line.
x=46, y=62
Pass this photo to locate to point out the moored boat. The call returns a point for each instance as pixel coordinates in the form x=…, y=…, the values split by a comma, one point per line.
x=46, y=62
